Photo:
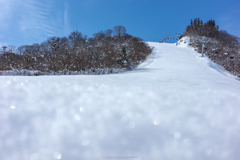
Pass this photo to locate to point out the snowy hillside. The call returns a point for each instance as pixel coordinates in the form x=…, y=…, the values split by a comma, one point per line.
x=175, y=106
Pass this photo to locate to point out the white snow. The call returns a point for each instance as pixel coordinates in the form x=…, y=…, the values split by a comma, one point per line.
x=175, y=106
x=184, y=41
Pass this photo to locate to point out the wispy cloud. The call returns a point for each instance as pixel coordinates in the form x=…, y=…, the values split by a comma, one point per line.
x=26, y=19
x=66, y=21
x=33, y=20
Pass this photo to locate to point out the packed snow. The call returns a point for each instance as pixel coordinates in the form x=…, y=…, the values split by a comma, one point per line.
x=177, y=105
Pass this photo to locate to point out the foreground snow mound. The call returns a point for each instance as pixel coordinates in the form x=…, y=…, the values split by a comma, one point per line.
x=175, y=106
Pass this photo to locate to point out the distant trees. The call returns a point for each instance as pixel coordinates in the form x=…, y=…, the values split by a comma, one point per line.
x=211, y=30
x=119, y=30
x=9, y=48
x=79, y=53
x=222, y=47
x=77, y=39
x=4, y=48
x=21, y=50
x=108, y=33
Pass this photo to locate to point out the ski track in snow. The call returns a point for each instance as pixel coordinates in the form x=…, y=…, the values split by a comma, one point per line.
x=173, y=106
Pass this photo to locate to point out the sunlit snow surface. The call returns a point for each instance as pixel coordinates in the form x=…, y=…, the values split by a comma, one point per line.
x=175, y=106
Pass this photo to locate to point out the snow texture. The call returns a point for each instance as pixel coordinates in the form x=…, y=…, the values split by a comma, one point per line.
x=174, y=106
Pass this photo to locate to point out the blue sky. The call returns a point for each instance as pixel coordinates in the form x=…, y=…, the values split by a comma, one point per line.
x=33, y=21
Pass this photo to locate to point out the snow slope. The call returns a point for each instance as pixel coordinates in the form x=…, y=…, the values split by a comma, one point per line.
x=175, y=106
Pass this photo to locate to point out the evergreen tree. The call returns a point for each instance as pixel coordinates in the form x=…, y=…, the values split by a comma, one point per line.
x=195, y=22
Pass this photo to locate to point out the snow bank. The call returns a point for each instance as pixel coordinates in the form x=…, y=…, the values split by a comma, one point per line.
x=64, y=72
x=184, y=42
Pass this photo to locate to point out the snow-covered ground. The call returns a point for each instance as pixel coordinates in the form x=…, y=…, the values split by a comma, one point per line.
x=175, y=106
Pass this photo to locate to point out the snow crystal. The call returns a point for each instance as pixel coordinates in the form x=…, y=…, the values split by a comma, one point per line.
x=57, y=155
x=186, y=141
x=177, y=135
x=188, y=154
x=85, y=142
x=208, y=152
x=77, y=117
x=131, y=124
x=88, y=124
x=156, y=122
x=34, y=156
x=123, y=119
x=12, y=107
x=129, y=114
x=81, y=109
x=106, y=112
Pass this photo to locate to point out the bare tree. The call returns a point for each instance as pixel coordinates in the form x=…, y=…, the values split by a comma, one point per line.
x=11, y=48
x=76, y=38
x=77, y=53
x=119, y=30
x=4, y=48
x=100, y=35
x=21, y=50
x=108, y=33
